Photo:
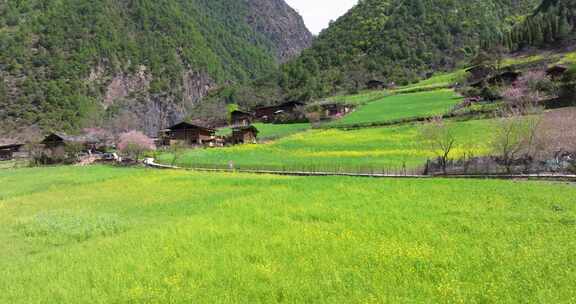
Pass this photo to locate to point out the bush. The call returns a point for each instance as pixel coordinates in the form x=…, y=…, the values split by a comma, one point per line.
x=490, y=94
x=537, y=81
x=470, y=92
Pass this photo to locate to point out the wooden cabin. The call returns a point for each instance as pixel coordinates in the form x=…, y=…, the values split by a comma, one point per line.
x=335, y=109
x=187, y=134
x=7, y=150
x=556, y=72
x=375, y=84
x=56, y=141
x=241, y=118
x=267, y=114
x=244, y=135
x=478, y=73
x=504, y=78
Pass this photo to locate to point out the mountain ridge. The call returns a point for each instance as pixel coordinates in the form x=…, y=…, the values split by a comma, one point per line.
x=69, y=64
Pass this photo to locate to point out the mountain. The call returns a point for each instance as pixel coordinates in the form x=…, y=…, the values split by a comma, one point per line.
x=397, y=41
x=139, y=63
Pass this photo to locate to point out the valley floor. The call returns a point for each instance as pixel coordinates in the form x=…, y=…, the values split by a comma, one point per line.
x=107, y=235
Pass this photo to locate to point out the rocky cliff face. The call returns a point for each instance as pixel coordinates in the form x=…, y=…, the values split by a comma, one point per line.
x=74, y=64
x=282, y=25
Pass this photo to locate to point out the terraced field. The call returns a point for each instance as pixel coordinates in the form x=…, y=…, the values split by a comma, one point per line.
x=371, y=149
x=402, y=106
x=107, y=235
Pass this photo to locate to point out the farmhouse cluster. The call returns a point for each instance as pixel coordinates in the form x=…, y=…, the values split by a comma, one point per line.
x=55, y=145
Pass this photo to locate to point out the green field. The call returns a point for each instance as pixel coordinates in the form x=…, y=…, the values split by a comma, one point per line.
x=272, y=131
x=441, y=80
x=105, y=235
x=337, y=150
x=403, y=106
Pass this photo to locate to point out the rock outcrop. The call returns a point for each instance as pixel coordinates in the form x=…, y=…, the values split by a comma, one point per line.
x=282, y=25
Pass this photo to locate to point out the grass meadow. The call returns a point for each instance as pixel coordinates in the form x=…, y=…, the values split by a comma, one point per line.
x=340, y=150
x=107, y=235
x=390, y=108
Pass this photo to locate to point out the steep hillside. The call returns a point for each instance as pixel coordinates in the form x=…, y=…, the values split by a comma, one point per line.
x=138, y=63
x=397, y=41
x=552, y=25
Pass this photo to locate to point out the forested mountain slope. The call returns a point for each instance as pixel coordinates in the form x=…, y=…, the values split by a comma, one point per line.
x=68, y=64
x=398, y=41
x=553, y=24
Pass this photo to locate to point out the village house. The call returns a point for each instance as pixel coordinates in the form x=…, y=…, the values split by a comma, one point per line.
x=503, y=78
x=375, y=84
x=556, y=72
x=244, y=135
x=335, y=109
x=8, y=149
x=267, y=114
x=59, y=141
x=187, y=134
x=241, y=118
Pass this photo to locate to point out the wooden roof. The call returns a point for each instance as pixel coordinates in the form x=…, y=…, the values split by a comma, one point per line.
x=282, y=105
x=187, y=126
x=10, y=146
x=58, y=136
x=245, y=129
x=240, y=112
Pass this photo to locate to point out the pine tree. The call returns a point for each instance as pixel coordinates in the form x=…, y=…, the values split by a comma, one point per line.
x=564, y=29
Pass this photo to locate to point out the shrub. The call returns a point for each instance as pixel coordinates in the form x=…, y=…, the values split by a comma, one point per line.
x=489, y=93
x=521, y=99
x=470, y=92
x=537, y=81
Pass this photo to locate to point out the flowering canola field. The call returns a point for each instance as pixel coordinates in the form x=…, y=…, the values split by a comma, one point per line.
x=107, y=235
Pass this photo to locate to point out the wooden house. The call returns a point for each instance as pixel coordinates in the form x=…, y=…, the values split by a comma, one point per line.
x=478, y=73
x=244, y=135
x=504, y=78
x=8, y=149
x=335, y=109
x=375, y=84
x=267, y=114
x=60, y=140
x=241, y=118
x=187, y=134
x=556, y=72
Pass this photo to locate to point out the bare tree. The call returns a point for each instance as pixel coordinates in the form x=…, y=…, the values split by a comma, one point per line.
x=177, y=150
x=515, y=137
x=437, y=137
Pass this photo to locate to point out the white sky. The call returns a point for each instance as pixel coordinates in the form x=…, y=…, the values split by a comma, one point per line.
x=318, y=13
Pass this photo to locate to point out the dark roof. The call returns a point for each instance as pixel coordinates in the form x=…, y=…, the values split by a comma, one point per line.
x=247, y=128
x=58, y=136
x=239, y=112
x=185, y=125
x=557, y=69
x=10, y=146
x=285, y=104
x=291, y=103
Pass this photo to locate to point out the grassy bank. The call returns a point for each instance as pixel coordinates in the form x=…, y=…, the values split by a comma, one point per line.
x=104, y=235
x=331, y=150
x=401, y=106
